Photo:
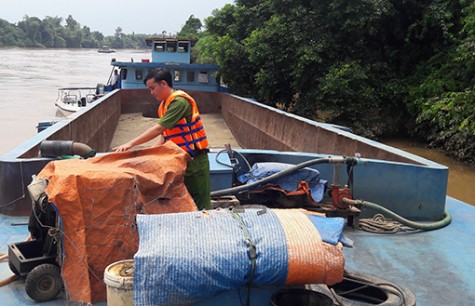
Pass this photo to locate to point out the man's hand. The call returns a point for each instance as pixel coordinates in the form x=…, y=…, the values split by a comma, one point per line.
x=148, y=135
x=123, y=148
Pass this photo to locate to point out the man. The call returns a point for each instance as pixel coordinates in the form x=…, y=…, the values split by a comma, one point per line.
x=180, y=122
x=114, y=81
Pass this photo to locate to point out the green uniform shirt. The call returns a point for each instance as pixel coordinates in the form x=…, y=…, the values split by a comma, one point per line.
x=178, y=108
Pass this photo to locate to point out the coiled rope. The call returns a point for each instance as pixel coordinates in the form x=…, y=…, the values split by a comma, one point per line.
x=380, y=224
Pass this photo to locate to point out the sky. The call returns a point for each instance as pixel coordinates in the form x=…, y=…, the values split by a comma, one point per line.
x=135, y=16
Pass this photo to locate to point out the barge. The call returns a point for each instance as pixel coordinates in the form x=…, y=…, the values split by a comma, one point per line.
x=436, y=265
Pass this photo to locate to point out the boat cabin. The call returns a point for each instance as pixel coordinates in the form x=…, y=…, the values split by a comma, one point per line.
x=175, y=55
x=171, y=49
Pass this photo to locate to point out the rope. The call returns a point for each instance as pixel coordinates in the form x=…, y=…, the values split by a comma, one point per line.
x=380, y=224
x=252, y=252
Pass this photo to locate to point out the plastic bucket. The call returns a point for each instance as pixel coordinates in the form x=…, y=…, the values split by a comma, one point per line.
x=119, y=278
x=300, y=297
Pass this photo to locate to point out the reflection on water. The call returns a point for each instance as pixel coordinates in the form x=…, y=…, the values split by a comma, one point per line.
x=461, y=176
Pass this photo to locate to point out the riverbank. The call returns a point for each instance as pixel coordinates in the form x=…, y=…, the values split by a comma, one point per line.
x=461, y=175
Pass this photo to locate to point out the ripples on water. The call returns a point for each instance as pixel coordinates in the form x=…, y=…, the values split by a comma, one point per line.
x=29, y=82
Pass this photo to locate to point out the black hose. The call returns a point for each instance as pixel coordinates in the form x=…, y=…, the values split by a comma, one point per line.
x=238, y=189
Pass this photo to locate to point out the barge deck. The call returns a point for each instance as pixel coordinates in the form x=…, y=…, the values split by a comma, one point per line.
x=133, y=124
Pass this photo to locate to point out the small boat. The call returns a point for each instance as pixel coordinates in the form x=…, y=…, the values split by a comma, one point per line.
x=105, y=49
x=72, y=99
x=364, y=178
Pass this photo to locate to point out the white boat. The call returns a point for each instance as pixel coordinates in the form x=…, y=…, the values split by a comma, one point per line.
x=72, y=99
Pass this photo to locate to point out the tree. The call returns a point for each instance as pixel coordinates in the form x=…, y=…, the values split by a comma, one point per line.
x=443, y=95
x=51, y=33
x=98, y=36
x=72, y=24
x=118, y=41
x=191, y=29
x=10, y=35
x=31, y=27
x=296, y=53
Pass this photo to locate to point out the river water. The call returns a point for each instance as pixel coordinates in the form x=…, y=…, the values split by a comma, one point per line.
x=461, y=176
x=30, y=78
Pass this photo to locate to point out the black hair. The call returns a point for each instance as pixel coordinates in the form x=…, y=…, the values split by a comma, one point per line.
x=158, y=75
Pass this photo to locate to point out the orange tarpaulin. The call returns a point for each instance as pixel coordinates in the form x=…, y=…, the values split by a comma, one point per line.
x=97, y=200
x=311, y=261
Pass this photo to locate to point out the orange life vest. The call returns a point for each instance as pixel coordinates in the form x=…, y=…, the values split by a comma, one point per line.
x=190, y=136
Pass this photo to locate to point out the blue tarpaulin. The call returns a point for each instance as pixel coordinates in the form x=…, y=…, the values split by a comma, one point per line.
x=289, y=182
x=329, y=228
x=184, y=258
x=188, y=257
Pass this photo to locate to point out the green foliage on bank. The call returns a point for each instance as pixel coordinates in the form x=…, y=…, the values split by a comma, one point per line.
x=56, y=32
x=383, y=67
x=443, y=97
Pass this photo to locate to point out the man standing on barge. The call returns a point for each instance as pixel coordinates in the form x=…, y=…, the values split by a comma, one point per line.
x=180, y=122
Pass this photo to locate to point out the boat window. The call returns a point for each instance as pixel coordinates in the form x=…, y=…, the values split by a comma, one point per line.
x=138, y=74
x=203, y=77
x=159, y=47
x=171, y=46
x=190, y=76
x=70, y=99
x=182, y=47
x=177, y=76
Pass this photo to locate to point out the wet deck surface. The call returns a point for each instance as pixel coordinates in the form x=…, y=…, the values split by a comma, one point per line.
x=133, y=124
